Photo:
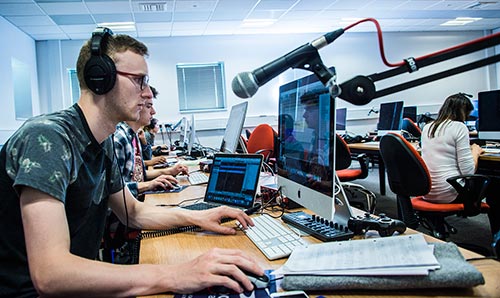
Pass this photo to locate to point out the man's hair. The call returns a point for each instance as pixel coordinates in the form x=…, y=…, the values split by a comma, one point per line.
x=154, y=91
x=115, y=44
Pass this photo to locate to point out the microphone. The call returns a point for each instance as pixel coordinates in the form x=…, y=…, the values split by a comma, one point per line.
x=246, y=84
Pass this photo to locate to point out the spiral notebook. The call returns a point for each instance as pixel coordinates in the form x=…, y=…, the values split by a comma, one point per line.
x=233, y=182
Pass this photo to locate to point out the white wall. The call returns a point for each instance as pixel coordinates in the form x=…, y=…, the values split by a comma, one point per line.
x=17, y=45
x=352, y=54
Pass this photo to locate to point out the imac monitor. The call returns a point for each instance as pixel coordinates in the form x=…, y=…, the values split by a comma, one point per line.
x=390, y=117
x=410, y=113
x=306, y=148
x=489, y=115
x=233, y=128
x=341, y=121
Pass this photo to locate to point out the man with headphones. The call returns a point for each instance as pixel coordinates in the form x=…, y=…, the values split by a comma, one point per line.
x=58, y=176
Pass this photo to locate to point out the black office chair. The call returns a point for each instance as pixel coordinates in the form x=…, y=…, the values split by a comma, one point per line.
x=409, y=179
x=410, y=130
x=343, y=159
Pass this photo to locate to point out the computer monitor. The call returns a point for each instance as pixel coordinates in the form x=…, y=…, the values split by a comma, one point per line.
x=341, y=121
x=183, y=132
x=410, y=113
x=390, y=117
x=191, y=139
x=489, y=115
x=307, y=149
x=233, y=128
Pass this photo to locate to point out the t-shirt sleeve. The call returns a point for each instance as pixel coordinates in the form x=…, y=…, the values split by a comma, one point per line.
x=39, y=156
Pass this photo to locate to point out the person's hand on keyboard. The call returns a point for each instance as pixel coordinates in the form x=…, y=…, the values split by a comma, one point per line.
x=211, y=219
x=215, y=268
x=179, y=168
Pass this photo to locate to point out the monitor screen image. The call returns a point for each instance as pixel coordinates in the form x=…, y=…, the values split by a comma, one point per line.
x=410, y=113
x=341, y=121
x=390, y=117
x=306, y=147
x=489, y=115
x=233, y=129
x=471, y=121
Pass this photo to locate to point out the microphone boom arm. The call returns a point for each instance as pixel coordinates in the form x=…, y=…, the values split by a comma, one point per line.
x=361, y=90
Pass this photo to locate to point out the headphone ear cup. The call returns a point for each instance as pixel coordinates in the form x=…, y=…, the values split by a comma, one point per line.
x=100, y=74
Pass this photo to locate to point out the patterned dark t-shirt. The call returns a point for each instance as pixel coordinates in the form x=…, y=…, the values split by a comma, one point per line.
x=58, y=155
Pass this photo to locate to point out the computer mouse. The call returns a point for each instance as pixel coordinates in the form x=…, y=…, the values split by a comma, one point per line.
x=175, y=186
x=259, y=282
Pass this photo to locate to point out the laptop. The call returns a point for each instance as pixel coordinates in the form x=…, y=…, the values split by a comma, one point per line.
x=233, y=182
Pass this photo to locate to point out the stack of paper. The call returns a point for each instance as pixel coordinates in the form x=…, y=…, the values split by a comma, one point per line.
x=398, y=255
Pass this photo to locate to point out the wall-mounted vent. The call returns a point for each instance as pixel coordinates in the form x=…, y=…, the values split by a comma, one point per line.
x=152, y=6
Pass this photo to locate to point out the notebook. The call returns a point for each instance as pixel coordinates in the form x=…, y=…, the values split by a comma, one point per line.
x=233, y=182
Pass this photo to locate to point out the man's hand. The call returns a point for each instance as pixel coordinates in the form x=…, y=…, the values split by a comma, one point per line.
x=162, y=181
x=211, y=219
x=217, y=267
x=178, y=169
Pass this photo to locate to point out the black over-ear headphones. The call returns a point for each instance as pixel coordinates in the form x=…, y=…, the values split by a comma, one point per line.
x=100, y=70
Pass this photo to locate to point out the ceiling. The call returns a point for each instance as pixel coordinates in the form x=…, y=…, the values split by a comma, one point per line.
x=75, y=19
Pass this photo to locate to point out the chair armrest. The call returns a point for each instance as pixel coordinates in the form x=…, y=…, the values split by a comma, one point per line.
x=364, y=162
x=471, y=191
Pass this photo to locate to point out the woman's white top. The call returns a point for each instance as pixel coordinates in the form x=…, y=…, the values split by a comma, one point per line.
x=447, y=154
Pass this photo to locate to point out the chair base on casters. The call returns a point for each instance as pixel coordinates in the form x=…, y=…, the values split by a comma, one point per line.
x=436, y=225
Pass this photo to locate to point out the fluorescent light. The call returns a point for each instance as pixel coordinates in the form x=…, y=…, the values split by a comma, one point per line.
x=257, y=23
x=119, y=26
x=460, y=21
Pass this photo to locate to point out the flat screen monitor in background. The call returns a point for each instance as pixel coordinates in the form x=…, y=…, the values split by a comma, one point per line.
x=471, y=121
x=341, y=121
x=235, y=122
x=183, y=132
x=489, y=115
x=390, y=117
x=410, y=113
x=191, y=139
x=306, y=165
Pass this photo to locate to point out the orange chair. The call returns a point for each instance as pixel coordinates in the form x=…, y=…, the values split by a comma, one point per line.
x=343, y=160
x=409, y=179
x=262, y=140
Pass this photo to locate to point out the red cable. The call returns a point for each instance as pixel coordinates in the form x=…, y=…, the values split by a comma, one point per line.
x=381, y=43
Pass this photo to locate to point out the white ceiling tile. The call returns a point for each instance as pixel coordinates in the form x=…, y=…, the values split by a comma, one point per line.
x=104, y=7
x=154, y=26
x=275, y=4
x=67, y=8
x=30, y=20
x=194, y=6
x=49, y=36
x=42, y=29
x=20, y=9
x=189, y=26
x=72, y=29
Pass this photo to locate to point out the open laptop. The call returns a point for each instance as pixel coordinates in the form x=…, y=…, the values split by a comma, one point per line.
x=233, y=182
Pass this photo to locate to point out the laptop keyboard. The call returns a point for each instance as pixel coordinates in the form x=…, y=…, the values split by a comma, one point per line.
x=197, y=178
x=272, y=238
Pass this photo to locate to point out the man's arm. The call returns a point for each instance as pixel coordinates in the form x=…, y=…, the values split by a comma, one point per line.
x=150, y=217
x=173, y=170
x=56, y=272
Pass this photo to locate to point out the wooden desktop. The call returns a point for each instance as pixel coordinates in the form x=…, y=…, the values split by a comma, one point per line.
x=489, y=163
x=182, y=247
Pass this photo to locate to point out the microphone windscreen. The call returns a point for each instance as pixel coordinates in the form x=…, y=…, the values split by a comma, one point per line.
x=244, y=85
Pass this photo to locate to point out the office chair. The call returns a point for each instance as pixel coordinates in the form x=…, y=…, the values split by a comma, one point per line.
x=343, y=160
x=410, y=130
x=409, y=179
x=262, y=141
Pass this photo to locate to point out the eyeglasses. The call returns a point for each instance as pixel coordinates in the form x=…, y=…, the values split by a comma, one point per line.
x=139, y=79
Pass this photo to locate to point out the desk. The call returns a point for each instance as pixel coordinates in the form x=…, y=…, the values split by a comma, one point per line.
x=489, y=164
x=178, y=248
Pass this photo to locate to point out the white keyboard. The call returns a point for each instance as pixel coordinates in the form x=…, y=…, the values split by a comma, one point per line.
x=272, y=238
x=197, y=178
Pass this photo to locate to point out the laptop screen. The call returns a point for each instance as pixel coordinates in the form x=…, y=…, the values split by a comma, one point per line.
x=233, y=179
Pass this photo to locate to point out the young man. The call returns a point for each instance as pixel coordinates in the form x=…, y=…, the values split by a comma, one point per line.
x=58, y=176
x=128, y=151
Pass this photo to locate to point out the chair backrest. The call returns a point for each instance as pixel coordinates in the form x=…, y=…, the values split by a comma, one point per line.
x=406, y=170
x=411, y=127
x=262, y=140
x=342, y=155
